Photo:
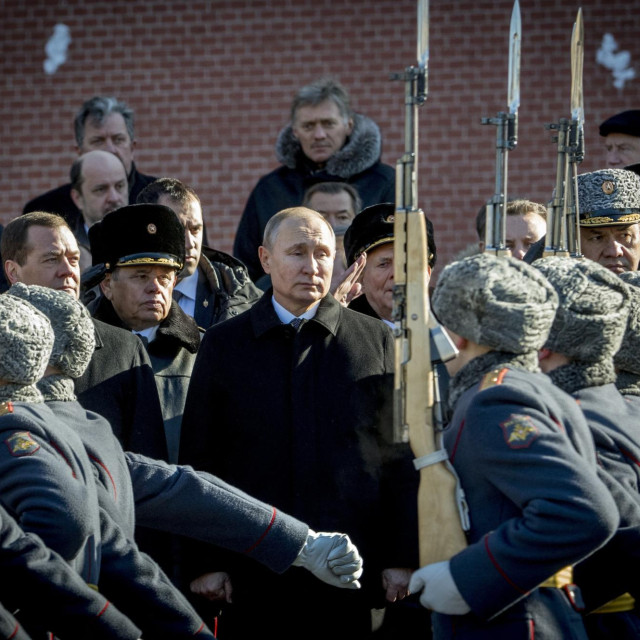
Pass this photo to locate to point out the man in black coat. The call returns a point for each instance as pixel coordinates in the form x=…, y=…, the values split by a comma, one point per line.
x=301, y=416
x=325, y=141
x=103, y=122
x=39, y=248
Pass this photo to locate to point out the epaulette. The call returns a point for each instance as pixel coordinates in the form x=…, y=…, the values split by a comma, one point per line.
x=6, y=407
x=493, y=378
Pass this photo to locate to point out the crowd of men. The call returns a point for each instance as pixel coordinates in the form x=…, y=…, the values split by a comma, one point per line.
x=185, y=430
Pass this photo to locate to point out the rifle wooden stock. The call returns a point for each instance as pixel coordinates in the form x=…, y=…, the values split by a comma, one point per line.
x=439, y=525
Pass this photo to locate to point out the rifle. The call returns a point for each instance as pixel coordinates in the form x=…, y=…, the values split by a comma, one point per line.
x=563, y=222
x=506, y=140
x=417, y=417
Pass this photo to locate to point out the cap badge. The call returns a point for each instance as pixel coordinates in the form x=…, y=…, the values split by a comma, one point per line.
x=390, y=218
x=151, y=228
x=608, y=187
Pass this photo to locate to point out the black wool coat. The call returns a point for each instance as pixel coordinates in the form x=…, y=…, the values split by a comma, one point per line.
x=303, y=421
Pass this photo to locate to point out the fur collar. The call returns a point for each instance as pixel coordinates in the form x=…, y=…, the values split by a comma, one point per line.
x=472, y=372
x=628, y=384
x=57, y=387
x=20, y=393
x=581, y=375
x=176, y=330
x=360, y=152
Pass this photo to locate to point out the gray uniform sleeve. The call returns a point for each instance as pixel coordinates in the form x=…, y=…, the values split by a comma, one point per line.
x=195, y=504
x=135, y=583
x=54, y=507
x=564, y=511
x=45, y=589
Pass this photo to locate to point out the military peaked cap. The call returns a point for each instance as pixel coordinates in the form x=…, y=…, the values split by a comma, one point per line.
x=373, y=227
x=138, y=234
x=626, y=122
x=609, y=197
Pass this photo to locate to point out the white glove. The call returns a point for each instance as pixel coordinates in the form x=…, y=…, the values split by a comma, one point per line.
x=332, y=558
x=439, y=591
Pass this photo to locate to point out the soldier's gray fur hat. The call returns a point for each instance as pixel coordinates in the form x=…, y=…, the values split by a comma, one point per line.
x=72, y=326
x=26, y=340
x=609, y=197
x=498, y=302
x=593, y=310
x=628, y=356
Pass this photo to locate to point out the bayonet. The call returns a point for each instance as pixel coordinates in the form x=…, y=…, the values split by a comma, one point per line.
x=576, y=141
x=419, y=340
x=563, y=226
x=506, y=140
x=515, y=39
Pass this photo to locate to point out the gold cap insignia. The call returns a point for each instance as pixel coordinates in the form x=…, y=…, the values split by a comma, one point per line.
x=519, y=431
x=390, y=218
x=21, y=444
x=608, y=187
x=151, y=228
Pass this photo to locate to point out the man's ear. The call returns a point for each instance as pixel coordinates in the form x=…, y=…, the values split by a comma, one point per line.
x=460, y=342
x=543, y=354
x=105, y=287
x=77, y=198
x=265, y=258
x=349, y=126
x=11, y=269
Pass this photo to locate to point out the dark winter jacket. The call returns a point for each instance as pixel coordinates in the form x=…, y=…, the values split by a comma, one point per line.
x=224, y=288
x=358, y=163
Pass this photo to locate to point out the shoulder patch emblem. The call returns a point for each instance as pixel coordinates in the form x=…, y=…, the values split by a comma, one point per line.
x=21, y=444
x=6, y=407
x=493, y=378
x=519, y=431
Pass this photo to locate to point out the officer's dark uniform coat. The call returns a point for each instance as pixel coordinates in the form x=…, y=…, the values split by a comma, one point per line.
x=526, y=461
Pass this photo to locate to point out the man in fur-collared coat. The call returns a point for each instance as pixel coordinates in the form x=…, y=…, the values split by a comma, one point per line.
x=325, y=141
x=140, y=269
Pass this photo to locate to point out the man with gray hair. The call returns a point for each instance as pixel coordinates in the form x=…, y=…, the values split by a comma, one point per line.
x=325, y=140
x=102, y=122
x=525, y=459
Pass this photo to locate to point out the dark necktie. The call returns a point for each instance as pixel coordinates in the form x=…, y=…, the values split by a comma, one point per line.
x=296, y=322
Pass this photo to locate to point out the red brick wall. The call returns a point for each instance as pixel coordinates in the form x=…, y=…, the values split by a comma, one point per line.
x=211, y=84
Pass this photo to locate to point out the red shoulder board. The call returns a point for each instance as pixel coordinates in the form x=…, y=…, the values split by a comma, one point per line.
x=6, y=407
x=21, y=444
x=493, y=378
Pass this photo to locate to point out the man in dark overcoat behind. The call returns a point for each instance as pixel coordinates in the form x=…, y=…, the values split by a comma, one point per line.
x=291, y=400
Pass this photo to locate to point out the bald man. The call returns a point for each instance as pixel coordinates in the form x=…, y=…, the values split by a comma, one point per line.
x=98, y=185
